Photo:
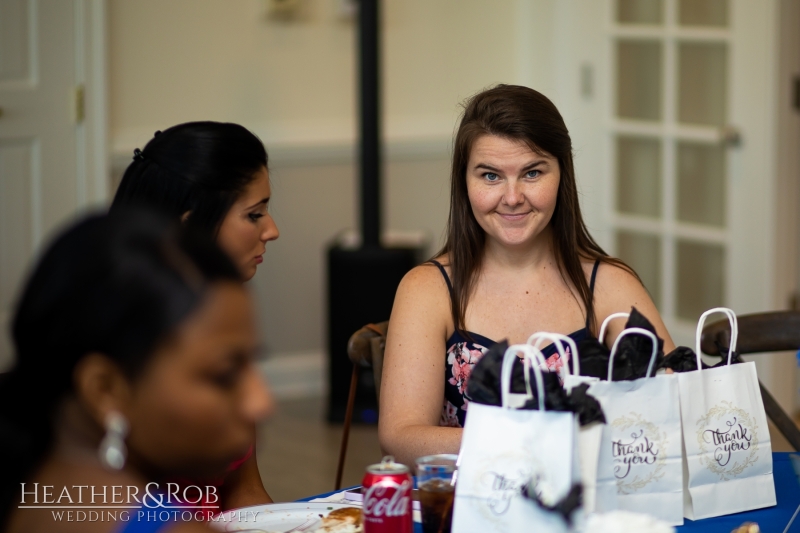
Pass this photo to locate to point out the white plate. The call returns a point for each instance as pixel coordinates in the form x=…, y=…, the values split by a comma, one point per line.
x=275, y=517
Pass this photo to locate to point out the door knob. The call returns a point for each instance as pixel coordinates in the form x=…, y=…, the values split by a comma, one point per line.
x=730, y=136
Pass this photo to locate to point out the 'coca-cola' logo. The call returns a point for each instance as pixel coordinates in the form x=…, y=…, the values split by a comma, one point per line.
x=387, y=498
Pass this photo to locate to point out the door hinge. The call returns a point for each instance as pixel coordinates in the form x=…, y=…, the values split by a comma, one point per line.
x=79, y=104
x=796, y=91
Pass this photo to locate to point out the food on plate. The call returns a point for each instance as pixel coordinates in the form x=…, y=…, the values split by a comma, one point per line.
x=344, y=520
x=747, y=527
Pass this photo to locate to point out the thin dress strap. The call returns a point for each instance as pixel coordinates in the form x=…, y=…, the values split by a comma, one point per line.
x=465, y=334
x=591, y=284
x=594, y=276
x=444, y=273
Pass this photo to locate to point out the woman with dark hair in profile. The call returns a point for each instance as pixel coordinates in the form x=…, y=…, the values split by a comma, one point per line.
x=134, y=364
x=517, y=259
x=214, y=177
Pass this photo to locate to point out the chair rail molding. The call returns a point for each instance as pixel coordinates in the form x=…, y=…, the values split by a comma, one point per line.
x=295, y=375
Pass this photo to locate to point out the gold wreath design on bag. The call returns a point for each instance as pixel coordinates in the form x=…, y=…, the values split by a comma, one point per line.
x=652, y=432
x=707, y=454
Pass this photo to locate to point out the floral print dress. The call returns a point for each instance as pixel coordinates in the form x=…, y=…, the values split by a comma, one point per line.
x=462, y=355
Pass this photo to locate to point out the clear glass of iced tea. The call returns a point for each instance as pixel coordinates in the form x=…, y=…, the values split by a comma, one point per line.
x=436, y=484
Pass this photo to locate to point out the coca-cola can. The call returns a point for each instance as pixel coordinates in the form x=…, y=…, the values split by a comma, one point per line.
x=387, y=498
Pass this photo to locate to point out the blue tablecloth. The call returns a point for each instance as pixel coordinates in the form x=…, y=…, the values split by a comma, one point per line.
x=771, y=519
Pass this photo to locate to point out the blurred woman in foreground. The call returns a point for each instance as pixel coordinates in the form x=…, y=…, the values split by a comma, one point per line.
x=134, y=364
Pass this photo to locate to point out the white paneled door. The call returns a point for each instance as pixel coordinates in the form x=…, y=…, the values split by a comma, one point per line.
x=673, y=106
x=50, y=164
x=690, y=121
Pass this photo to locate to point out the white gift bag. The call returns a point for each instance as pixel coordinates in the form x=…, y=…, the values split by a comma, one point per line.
x=640, y=465
x=568, y=379
x=505, y=449
x=728, y=455
x=607, y=321
x=589, y=436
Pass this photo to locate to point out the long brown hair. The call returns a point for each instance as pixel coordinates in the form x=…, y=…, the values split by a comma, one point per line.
x=523, y=114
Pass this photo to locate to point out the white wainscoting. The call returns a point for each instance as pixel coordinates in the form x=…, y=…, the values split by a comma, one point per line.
x=286, y=153
x=294, y=375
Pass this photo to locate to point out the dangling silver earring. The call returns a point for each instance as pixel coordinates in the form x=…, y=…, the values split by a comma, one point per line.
x=112, y=451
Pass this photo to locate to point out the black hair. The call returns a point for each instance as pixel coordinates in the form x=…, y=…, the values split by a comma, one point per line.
x=197, y=167
x=114, y=284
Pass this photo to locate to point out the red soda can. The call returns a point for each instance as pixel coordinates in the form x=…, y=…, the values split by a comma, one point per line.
x=387, y=498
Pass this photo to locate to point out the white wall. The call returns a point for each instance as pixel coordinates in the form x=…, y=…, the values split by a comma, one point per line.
x=293, y=83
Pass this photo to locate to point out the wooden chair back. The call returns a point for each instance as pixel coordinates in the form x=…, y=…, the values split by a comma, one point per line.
x=759, y=333
x=364, y=349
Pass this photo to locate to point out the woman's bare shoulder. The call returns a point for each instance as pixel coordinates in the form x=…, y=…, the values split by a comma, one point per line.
x=422, y=300
x=616, y=278
x=425, y=277
x=617, y=290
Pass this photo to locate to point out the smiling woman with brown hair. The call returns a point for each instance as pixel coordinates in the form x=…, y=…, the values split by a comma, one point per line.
x=518, y=259
x=134, y=364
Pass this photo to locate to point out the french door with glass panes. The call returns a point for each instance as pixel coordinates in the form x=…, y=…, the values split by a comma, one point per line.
x=691, y=173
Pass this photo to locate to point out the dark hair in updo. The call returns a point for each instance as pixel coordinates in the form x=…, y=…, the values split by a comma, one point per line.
x=197, y=167
x=115, y=284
